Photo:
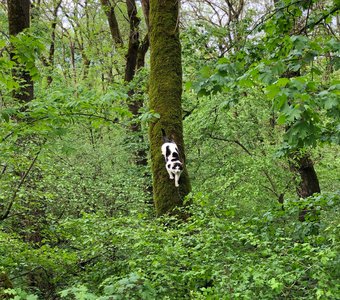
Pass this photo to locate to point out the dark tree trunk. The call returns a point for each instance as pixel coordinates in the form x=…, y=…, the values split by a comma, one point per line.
x=304, y=166
x=165, y=98
x=73, y=60
x=131, y=57
x=34, y=218
x=52, y=45
x=309, y=183
x=135, y=60
x=143, y=48
x=112, y=20
x=18, y=21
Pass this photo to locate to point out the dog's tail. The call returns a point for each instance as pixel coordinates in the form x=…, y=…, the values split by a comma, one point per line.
x=164, y=137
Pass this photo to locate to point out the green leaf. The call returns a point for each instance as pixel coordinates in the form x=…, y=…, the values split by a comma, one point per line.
x=331, y=102
x=281, y=120
x=272, y=91
x=245, y=82
x=5, y=116
x=282, y=82
x=188, y=85
x=294, y=114
x=205, y=72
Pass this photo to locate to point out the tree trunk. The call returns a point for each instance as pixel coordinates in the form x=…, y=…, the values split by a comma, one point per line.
x=131, y=57
x=18, y=20
x=52, y=45
x=35, y=216
x=303, y=165
x=112, y=20
x=135, y=59
x=309, y=183
x=143, y=48
x=165, y=98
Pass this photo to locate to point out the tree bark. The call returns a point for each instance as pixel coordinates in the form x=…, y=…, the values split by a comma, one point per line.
x=35, y=217
x=309, y=184
x=131, y=57
x=165, y=98
x=112, y=20
x=18, y=21
x=304, y=166
x=143, y=48
x=52, y=45
x=135, y=59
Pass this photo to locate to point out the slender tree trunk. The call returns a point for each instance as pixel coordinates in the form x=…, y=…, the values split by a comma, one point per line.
x=165, y=98
x=135, y=60
x=73, y=60
x=112, y=20
x=143, y=48
x=52, y=45
x=131, y=57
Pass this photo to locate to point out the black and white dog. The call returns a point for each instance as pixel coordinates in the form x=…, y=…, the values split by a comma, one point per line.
x=171, y=155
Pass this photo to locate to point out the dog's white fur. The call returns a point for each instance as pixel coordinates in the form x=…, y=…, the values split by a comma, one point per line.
x=174, y=168
x=172, y=163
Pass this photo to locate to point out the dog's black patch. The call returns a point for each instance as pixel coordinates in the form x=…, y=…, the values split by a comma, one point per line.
x=168, y=152
x=175, y=154
x=174, y=159
x=179, y=165
x=169, y=166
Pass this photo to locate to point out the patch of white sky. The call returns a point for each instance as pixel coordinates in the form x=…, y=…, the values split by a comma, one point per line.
x=217, y=11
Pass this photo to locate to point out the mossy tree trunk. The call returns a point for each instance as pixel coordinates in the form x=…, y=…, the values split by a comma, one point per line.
x=165, y=98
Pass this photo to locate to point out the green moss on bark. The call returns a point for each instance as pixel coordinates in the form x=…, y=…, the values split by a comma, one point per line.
x=165, y=92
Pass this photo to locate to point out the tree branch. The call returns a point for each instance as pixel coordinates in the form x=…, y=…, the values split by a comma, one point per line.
x=273, y=188
x=334, y=10
x=6, y=213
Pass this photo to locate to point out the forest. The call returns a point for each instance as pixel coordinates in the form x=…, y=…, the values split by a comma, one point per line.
x=103, y=102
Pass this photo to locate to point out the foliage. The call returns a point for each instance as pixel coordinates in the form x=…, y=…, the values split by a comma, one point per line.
x=214, y=253
x=291, y=72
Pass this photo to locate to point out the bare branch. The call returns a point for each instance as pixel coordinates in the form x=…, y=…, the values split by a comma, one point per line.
x=8, y=210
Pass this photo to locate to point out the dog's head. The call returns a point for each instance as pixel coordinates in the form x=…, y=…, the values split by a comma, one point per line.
x=177, y=167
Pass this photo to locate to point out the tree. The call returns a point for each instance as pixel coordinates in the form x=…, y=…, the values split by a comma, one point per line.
x=135, y=59
x=18, y=21
x=165, y=99
x=288, y=64
x=112, y=20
